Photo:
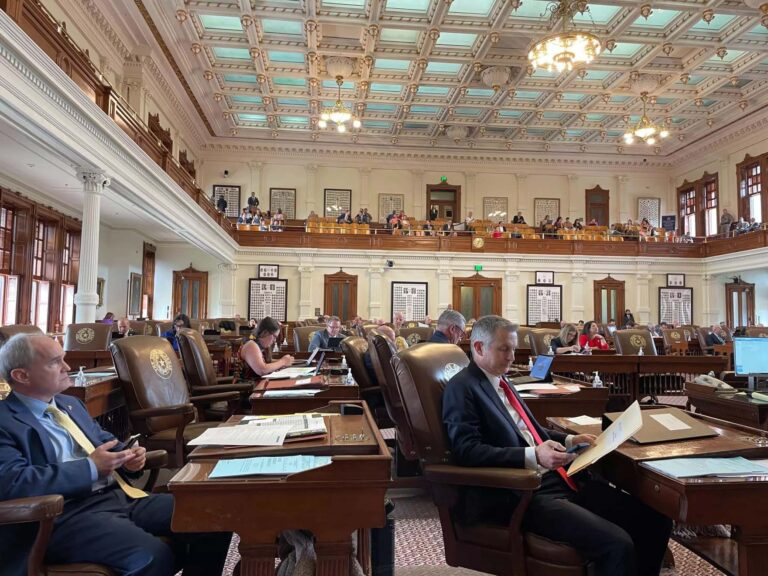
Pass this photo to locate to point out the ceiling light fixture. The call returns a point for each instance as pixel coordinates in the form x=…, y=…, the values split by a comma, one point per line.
x=645, y=129
x=338, y=114
x=496, y=77
x=761, y=5
x=566, y=49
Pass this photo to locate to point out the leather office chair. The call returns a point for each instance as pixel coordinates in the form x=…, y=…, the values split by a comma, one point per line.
x=701, y=335
x=139, y=327
x=689, y=330
x=756, y=332
x=43, y=510
x=675, y=343
x=416, y=334
x=382, y=351
x=201, y=376
x=628, y=343
x=503, y=549
x=302, y=336
x=159, y=405
x=354, y=349
x=539, y=339
x=7, y=332
x=91, y=336
x=162, y=327
x=522, y=337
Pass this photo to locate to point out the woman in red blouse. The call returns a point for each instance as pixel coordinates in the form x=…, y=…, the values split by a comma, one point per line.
x=590, y=336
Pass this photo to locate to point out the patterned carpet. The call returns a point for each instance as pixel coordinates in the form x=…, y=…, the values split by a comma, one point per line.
x=419, y=544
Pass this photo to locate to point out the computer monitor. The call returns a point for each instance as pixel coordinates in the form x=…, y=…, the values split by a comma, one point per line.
x=750, y=356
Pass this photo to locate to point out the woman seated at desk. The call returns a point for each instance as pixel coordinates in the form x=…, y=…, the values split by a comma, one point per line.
x=256, y=354
x=591, y=337
x=567, y=342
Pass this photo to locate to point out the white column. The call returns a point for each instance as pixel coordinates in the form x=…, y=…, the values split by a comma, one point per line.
x=419, y=195
x=710, y=314
x=643, y=310
x=621, y=202
x=728, y=192
x=228, y=291
x=521, y=200
x=306, y=310
x=375, y=292
x=444, y=289
x=365, y=190
x=86, y=298
x=576, y=204
x=311, y=193
x=511, y=296
x=578, y=278
x=257, y=175
x=470, y=201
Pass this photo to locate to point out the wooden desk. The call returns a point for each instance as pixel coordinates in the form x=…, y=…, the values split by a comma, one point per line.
x=87, y=358
x=700, y=501
x=588, y=401
x=103, y=398
x=729, y=407
x=332, y=502
x=337, y=390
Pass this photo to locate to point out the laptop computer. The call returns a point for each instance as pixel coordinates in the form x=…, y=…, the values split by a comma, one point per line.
x=308, y=361
x=540, y=373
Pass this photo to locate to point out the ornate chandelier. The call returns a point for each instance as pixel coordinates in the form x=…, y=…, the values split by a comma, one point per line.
x=338, y=114
x=568, y=48
x=645, y=129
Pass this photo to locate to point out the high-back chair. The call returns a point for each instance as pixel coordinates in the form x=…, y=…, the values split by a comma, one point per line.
x=8, y=332
x=422, y=373
x=416, y=334
x=675, y=342
x=757, y=332
x=540, y=338
x=201, y=375
x=302, y=336
x=354, y=348
x=159, y=405
x=90, y=336
x=382, y=351
x=629, y=342
x=702, y=332
x=139, y=327
x=163, y=327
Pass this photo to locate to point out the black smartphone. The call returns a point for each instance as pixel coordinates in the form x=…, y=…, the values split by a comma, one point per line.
x=132, y=441
x=576, y=448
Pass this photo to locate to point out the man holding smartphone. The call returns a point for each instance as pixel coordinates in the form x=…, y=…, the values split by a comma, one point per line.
x=50, y=445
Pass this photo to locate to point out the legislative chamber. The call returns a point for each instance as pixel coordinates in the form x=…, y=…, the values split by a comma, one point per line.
x=377, y=286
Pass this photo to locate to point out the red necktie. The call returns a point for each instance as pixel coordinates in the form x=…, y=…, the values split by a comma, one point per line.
x=517, y=405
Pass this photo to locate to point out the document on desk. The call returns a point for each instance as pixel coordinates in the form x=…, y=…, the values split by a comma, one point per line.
x=242, y=436
x=299, y=424
x=534, y=386
x=586, y=420
x=291, y=373
x=303, y=393
x=267, y=466
x=622, y=429
x=702, y=467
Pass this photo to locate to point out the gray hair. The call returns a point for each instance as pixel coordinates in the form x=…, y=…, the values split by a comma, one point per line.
x=486, y=327
x=332, y=319
x=451, y=318
x=17, y=352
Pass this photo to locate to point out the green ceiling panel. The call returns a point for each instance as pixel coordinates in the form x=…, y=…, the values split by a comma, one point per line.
x=294, y=120
x=291, y=27
x=434, y=90
x=623, y=50
x=293, y=102
x=379, y=87
x=376, y=107
x=240, y=78
x=659, y=18
x=355, y=4
x=510, y=113
x=479, y=8
x=408, y=5
x=377, y=124
x=719, y=22
x=285, y=81
x=599, y=13
x=552, y=115
x=573, y=97
x=399, y=36
x=479, y=93
x=595, y=117
x=425, y=110
x=247, y=99
x=416, y=126
x=388, y=64
x=465, y=111
x=456, y=40
x=531, y=9
x=289, y=57
x=331, y=85
x=252, y=117
x=231, y=53
x=527, y=95
x=731, y=56
x=443, y=68
x=216, y=22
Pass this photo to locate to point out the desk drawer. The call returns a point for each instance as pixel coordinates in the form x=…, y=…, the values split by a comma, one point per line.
x=661, y=497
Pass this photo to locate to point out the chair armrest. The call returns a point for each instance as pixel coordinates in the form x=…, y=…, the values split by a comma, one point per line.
x=508, y=478
x=224, y=379
x=240, y=387
x=34, y=509
x=156, y=459
x=178, y=409
x=210, y=398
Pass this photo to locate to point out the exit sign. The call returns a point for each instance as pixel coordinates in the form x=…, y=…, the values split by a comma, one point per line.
x=443, y=179
x=478, y=267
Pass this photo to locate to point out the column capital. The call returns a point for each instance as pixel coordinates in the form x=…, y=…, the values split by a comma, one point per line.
x=375, y=270
x=622, y=178
x=572, y=178
x=417, y=172
x=365, y=170
x=306, y=269
x=255, y=164
x=311, y=168
x=578, y=277
x=225, y=266
x=93, y=179
x=512, y=275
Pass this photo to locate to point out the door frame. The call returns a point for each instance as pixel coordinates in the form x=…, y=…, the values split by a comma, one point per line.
x=478, y=281
x=607, y=204
x=444, y=186
x=190, y=272
x=610, y=283
x=340, y=277
x=737, y=288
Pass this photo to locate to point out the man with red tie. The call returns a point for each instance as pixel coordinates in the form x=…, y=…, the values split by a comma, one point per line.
x=488, y=424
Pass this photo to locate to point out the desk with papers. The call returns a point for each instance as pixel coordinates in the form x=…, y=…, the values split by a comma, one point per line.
x=734, y=407
x=702, y=500
x=279, y=397
x=331, y=500
x=587, y=401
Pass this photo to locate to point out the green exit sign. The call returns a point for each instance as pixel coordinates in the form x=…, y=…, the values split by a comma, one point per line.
x=443, y=178
x=478, y=267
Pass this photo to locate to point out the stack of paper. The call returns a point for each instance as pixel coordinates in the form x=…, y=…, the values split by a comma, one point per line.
x=242, y=436
x=700, y=467
x=303, y=393
x=298, y=424
x=292, y=373
x=268, y=466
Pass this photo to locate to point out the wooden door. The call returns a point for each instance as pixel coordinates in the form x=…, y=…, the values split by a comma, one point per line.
x=190, y=293
x=739, y=304
x=609, y=300
x=340, y=291
x=597, y=204
x=477, y=296
x=446, y=198
x=148, y=274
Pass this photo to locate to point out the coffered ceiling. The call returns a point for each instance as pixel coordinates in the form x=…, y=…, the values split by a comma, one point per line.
x=258, y=70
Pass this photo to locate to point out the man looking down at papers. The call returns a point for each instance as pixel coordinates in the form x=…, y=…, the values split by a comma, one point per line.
x=488, y=424
x=257, y=354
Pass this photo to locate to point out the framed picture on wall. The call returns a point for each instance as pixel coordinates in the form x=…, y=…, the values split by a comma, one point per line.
x=543, y=207
x=283, y=199
x=268, y=271
x=267, y=298
x=336, y=201
x=676, y=306
x=410, y=298
x=231, y=195
x=545, y=277
x=134, y=294
x=649, y=208
x=675, y=280
x=544, y=304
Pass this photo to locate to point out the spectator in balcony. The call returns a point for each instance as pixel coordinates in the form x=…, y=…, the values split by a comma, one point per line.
x=359, y=219
x=726, y=222
x=367, y=218
x=345, y=217
x=245, y=217
x=498, y=230
x=221, y=204
x=567, y=225
x=593, y=222
x=469, y=220
x=253, y=202
x=278, y=221
x=742, y=226
x=312, y=215
x=753, y=225
x=558, y=223
x=518, y=218
x=433, y=213
x=515, y=232
x=429, y=229
x=578, y=224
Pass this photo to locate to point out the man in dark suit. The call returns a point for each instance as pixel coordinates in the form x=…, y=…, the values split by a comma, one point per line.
x=450, y=328
x=715, y=336
x=50, y=445
x=488, y=424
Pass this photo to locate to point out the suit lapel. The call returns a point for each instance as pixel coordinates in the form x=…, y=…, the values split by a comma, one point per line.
x=486, y=386
x=22, y=414
x=69, y=405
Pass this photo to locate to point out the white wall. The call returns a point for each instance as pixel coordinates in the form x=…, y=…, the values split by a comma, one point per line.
x=121, y=252
x=170, y=257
